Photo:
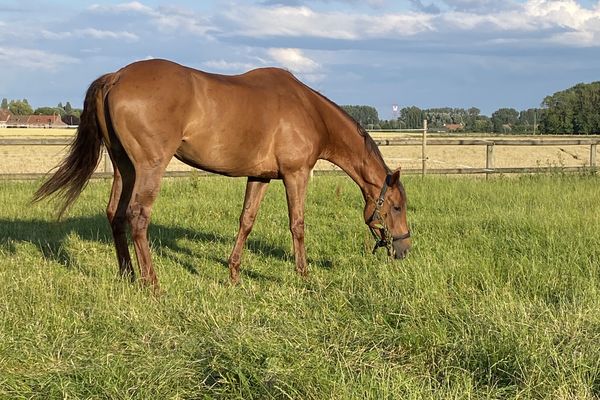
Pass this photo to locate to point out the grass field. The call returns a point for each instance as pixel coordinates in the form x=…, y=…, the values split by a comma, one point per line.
x=500, y=297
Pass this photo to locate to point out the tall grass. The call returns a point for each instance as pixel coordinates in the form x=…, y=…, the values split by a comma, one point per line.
x=500, y=297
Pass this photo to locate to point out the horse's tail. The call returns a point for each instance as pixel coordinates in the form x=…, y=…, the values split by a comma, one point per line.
x=77, y=167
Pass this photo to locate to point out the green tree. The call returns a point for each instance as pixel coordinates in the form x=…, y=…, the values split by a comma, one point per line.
x=49, y=111
x=411, y=117
x=390, y=124
x=528, y=121
x=367, y=116
x=68, y=108
x=483, y=124
x=504, y=120
x=473, y=111
x=20, y=107
x=76, y=112
x=574, y=110
x=437, y=117
x=4, y=105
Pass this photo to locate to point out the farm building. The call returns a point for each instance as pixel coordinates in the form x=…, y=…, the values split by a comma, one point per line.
x=4, y=117
x=453, y=127
x=35, y=121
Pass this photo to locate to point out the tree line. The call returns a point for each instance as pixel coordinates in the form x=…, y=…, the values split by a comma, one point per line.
x=504, y=120
x=576, y=110
x=572, y=111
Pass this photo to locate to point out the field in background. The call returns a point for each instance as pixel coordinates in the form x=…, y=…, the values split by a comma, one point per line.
x=35, y=132
x=500, y=297
x=40, y=159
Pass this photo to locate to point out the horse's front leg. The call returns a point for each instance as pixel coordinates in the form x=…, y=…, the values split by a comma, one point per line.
x=255, y=191
x=295, y=189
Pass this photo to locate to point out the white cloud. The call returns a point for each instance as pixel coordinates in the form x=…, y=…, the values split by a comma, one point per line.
x=228, y=66
x=391, y=25
x=165, y=18
x=173, y=20
x=297, y=62
x=102, y=34
x=91, y=33
x=480, y=6
x=293, y=59
x=564, y=22
x=33, y=58
x=303, y=21
x=582, y=25
x=134, y=6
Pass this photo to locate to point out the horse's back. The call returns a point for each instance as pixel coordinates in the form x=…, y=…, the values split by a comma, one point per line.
x=248, y=124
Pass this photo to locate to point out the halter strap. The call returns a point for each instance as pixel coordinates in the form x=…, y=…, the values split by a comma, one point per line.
x=385, y=239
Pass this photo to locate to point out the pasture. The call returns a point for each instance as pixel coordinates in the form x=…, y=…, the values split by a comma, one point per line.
x=500, y=297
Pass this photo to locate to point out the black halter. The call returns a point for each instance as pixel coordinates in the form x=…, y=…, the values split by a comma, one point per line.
x=385, y=238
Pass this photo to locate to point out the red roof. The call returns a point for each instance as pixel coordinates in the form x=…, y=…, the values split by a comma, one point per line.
x=19, y=119
x=454, y=127
x=43, y=119
x=4, y=115
x=36, y=120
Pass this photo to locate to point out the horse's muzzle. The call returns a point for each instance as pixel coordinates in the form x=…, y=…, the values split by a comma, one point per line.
x=401, y=248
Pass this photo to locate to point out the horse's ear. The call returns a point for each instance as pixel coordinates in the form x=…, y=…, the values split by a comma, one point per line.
x=395, y=177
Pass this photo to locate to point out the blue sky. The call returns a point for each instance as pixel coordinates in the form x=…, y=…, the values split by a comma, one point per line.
x=429, y=53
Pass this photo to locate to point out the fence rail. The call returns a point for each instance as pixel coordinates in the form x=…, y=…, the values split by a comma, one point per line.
x=424, y=142
x=490, y=146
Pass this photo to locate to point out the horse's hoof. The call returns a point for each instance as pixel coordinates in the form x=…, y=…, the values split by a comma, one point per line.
x=302, y=272
x=234, y=280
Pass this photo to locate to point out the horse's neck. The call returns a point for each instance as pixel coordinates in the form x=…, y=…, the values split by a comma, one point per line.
x=352, y=154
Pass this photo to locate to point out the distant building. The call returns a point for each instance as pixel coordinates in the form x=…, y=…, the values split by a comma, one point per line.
x=35, y=121
x=453, y=127
x=4, y=117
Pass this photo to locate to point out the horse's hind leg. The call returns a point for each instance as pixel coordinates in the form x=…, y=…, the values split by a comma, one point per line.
x=147, y=185
x=116, y=211
x=255, y=191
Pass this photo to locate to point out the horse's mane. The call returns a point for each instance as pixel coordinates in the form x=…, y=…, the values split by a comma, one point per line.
x=370, y=144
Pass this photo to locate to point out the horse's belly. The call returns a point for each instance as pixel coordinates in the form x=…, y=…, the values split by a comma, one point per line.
x=229, y=159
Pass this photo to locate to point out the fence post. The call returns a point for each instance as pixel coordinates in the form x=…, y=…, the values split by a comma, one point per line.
x=108, y=167
x=593, y=156
x=424, y=148
x=489, y=159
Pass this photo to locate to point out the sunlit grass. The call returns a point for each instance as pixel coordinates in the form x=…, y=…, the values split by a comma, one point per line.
x=499, y=298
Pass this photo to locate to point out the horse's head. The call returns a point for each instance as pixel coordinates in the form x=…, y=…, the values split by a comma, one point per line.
x=386, y=217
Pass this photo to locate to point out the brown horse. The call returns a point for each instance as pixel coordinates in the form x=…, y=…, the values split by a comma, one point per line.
x=264, y=124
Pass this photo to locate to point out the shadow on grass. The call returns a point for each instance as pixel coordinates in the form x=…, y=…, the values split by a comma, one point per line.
x=50, y=238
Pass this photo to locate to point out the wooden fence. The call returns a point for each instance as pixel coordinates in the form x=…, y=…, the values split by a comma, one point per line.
x=491, y=144
x=424, y=141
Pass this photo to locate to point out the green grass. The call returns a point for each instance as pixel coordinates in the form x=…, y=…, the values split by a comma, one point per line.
x=500, y=297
